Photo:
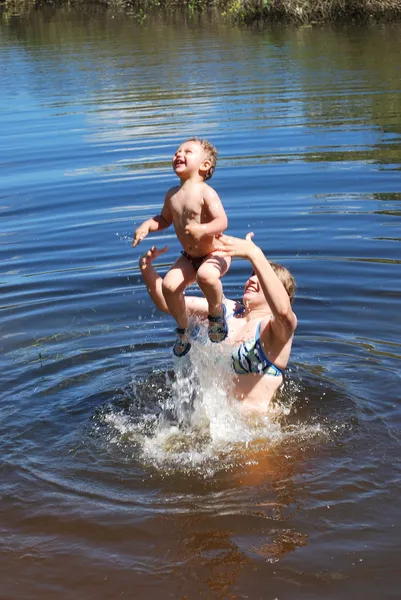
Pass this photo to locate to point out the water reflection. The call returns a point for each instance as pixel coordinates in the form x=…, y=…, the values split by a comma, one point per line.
x=217, y=556
x=332, y=79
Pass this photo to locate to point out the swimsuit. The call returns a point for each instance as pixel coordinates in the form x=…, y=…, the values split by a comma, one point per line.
x=195, y=261
x=250, y=358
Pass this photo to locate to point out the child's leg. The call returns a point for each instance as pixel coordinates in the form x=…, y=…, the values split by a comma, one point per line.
x=180, y=276
x=208, y=279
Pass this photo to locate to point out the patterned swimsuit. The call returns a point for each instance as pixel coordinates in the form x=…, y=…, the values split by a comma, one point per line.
x=250, y=358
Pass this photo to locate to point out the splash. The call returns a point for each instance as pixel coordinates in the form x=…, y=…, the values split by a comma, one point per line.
x=186, y=419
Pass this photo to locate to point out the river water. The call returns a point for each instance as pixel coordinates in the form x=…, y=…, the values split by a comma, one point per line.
x=123, y=474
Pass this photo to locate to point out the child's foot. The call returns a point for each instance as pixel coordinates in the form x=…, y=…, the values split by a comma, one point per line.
x=218, y=328
x=182, y=344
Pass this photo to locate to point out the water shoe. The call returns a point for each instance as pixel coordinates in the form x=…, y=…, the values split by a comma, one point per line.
x=218, y=328
x=182, y=345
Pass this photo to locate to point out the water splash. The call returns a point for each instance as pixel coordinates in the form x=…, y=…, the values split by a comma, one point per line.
x=186, y=419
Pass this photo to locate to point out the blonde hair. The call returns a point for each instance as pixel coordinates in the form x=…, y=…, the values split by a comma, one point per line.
x=210, y=153
x=286, y=279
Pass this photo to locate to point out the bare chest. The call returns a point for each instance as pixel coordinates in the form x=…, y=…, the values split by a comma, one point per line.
x=241, y=330
x=187, y=206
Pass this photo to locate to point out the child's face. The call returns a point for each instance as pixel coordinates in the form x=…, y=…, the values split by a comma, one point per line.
x=189, y=159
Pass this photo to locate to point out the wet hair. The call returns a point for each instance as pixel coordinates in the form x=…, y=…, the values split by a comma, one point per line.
x=286, y=279
x=210, y=153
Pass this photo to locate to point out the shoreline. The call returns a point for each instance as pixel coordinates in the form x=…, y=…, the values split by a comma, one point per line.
x=245, y=12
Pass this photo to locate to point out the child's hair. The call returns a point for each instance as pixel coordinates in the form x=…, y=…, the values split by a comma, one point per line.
x=286, y=279
x=210, y=153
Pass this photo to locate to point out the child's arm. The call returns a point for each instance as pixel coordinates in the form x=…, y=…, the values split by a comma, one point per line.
x=156, y=223
x=218, y=218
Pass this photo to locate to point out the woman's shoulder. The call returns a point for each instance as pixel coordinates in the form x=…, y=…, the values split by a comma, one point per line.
x=197, y=306
x=234, y=308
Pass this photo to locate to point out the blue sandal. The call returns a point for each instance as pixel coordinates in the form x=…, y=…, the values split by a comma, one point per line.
x=218, y=328
x=182, y=345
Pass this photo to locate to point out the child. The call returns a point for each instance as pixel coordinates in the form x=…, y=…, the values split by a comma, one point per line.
x=198, y=216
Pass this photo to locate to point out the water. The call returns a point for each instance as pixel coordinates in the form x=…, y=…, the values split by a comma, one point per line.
x=120, y=477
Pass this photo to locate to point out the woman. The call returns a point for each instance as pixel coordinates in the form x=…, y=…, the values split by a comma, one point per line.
x=261, y=328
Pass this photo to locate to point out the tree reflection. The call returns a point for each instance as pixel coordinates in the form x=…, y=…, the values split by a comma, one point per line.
x=251, y=520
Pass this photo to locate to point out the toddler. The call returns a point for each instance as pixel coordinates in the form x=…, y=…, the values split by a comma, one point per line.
x=195, y=210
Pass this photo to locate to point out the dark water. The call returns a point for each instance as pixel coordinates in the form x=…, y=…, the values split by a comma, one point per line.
x=111, y=484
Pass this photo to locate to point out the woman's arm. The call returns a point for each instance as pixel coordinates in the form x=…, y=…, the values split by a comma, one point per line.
x=273, y=290
x=195, y=306
x=152, y=278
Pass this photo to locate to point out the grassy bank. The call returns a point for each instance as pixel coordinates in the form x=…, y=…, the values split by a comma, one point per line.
x=310, y=11
x=244, y=11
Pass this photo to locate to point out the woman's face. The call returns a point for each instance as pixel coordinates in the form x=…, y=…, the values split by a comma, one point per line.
x=253, y=293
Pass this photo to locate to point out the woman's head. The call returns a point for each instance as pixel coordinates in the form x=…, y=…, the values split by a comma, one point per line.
x=252, y=286
x=286, y=279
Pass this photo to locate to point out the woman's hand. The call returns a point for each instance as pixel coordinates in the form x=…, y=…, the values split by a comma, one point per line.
x=229, y=245
x=147, y=258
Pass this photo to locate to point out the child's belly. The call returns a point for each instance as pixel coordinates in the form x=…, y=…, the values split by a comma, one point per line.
x=197, y=248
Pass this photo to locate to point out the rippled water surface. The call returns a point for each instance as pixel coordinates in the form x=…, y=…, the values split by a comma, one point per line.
x=124, y=474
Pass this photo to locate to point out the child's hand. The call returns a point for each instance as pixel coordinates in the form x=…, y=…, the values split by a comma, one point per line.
x=195, y=230
x=152, y=254
x=140, y=234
